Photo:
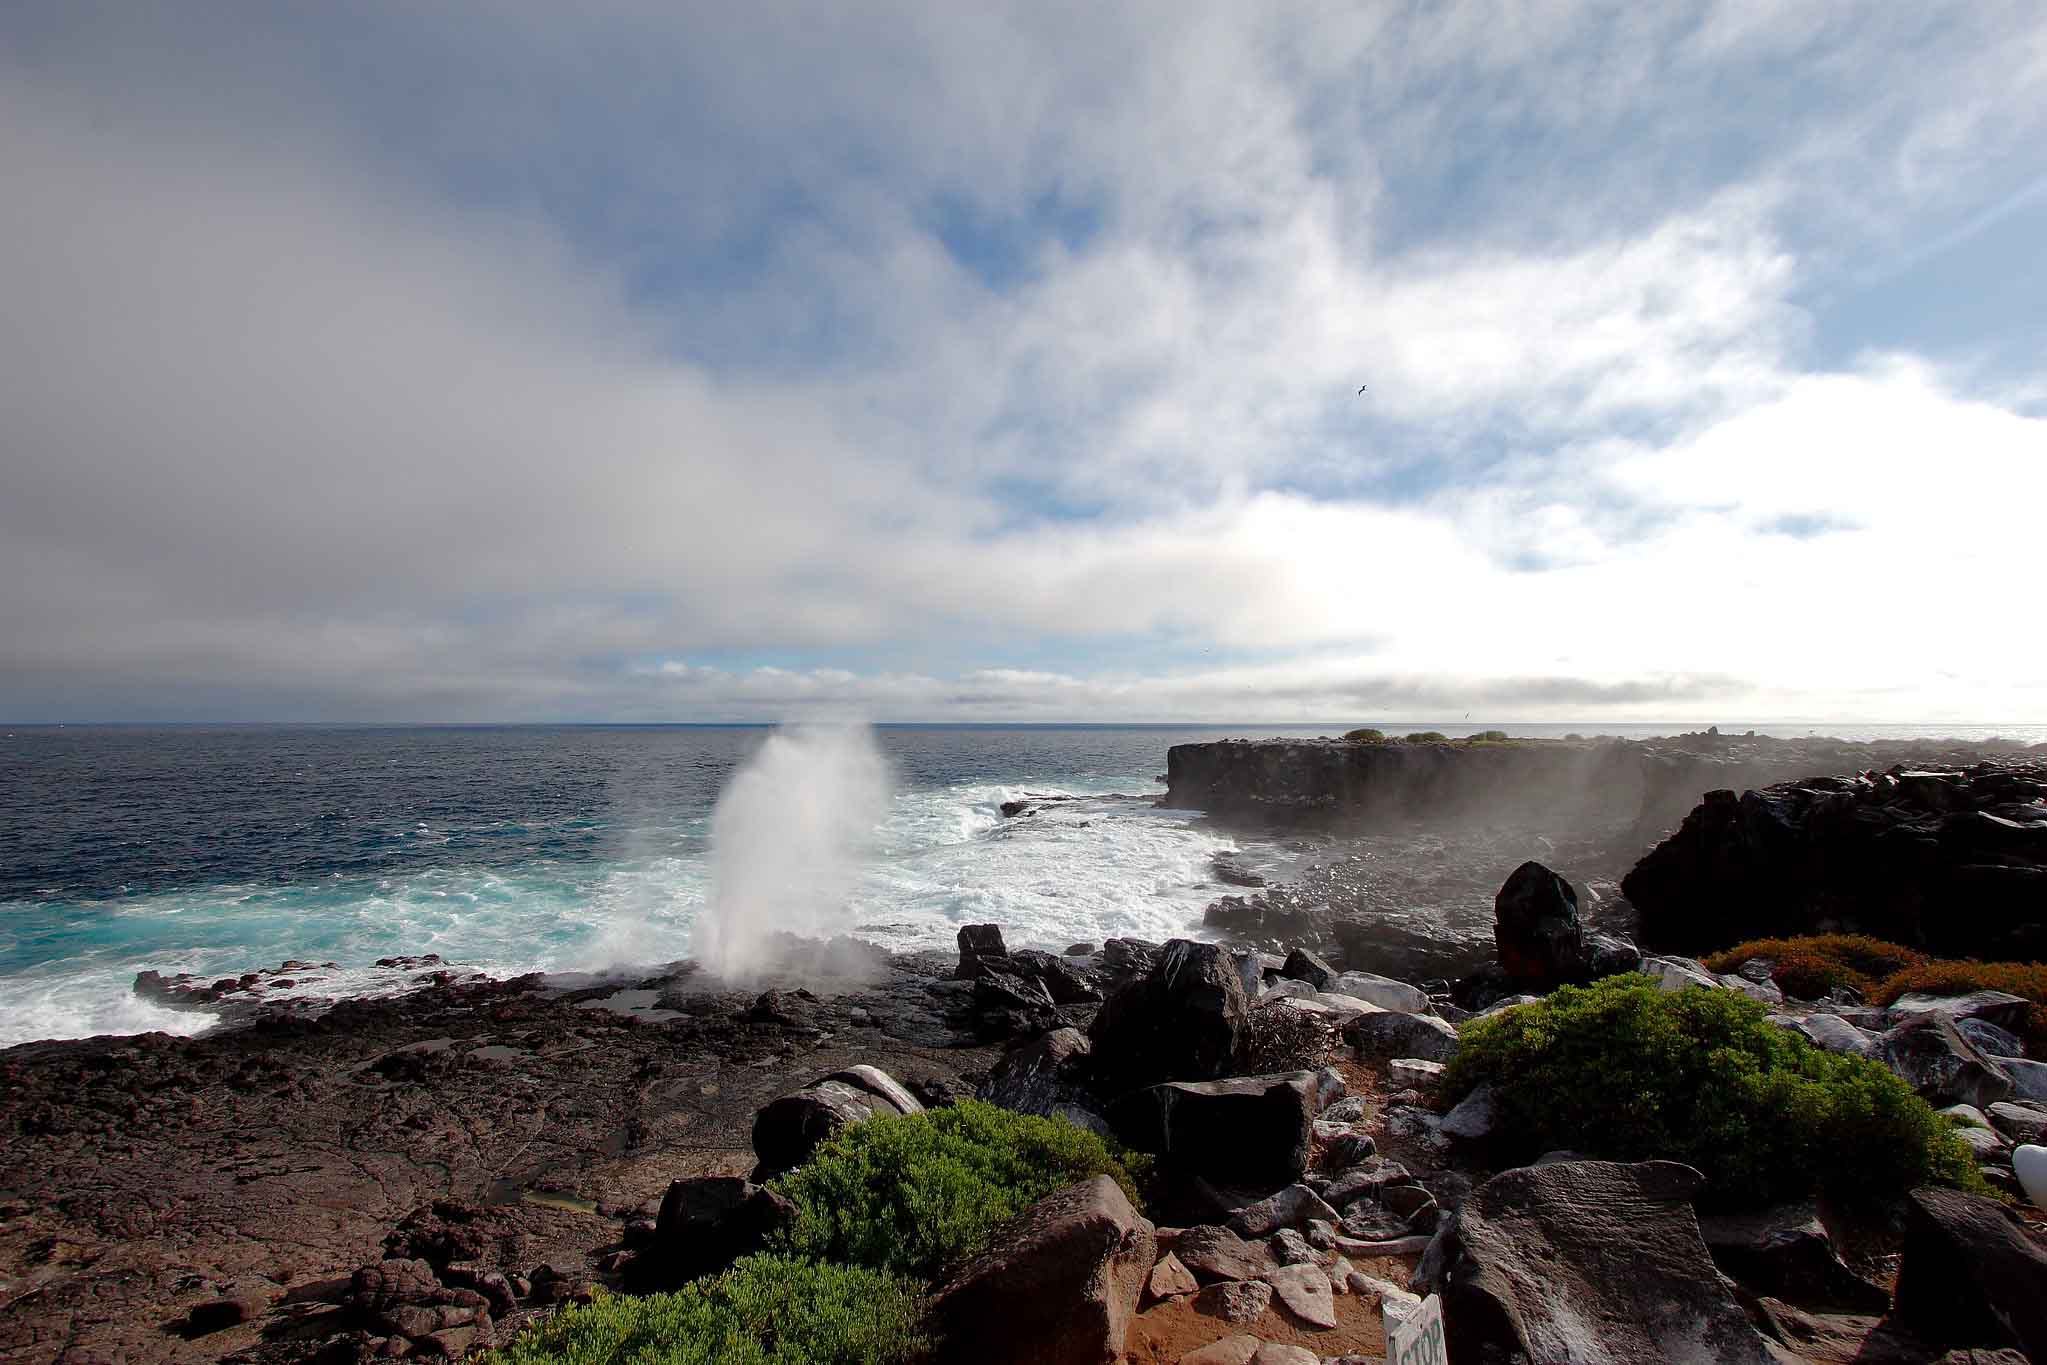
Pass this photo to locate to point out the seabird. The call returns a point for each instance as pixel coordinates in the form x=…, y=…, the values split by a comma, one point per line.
x=1363, y=387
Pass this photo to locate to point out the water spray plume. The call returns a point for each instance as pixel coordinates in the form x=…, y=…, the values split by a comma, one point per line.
x=788, y=839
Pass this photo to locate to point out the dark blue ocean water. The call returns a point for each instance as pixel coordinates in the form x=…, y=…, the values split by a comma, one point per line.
x=217, y=849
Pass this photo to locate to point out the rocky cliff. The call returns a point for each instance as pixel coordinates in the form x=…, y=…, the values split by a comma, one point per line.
x=1950, y=860
x=1554, y=783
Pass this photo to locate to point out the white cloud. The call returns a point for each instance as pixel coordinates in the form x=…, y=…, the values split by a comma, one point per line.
x=301, y=425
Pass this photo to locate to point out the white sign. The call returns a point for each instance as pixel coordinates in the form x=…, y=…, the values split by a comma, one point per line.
x=1416, y=1339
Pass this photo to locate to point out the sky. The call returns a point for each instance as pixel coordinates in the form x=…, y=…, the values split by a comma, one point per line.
x=526, y=361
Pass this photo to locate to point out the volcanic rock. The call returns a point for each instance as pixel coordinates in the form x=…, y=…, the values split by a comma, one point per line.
x=1588, y=1260
x=1184, y=1020
x=706, y=1224
x=788, y=1130
x=1971, y=1275
x=1786, y=1253
x=1236, y=1301
x=1942, y=1065
x=1951, y=862
x=1304, y=1290
x=1060, y=1283
x=1252, y=1130
x=1216, y=1253
x=979, y=943
x=1389, y=1034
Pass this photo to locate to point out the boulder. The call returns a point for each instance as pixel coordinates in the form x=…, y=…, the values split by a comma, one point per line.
x=2018, y=1122
x=1292, y=1248
x=1971, y=1275
x=1933, y=1057
x=1284, y=1353
x=1231, y=1350
x=1366, y=1180
x=1990, y=1040
x=979, y=943
x=1044, y=1076
x=1008, y=1003
x=1836, y=1034
x=1289, y=1208
x=1390, y=1034
x=1536, y=926
x=1785, y=1253
x=1184, y=1020
x=1238, y=1301
x=1060, y=1283
x=1679, y=973
x=1589, y=1261
x=1998, y=1008
x=1304, y=1291
x=1302, y=965
x=1404, y=1073
x=1250, y=1130
x=1473, y=1118
x=1171, y=1277
x=2029, y=1167
x=2028, y=1078
x=1127, y=957
x=1541, y=940
x=786, y=1131
x=1383, y=991
x=1062, y=980
x=707, y=1223
x=1215, y=1253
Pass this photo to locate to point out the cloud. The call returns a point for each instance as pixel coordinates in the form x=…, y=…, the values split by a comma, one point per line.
x=661, y=362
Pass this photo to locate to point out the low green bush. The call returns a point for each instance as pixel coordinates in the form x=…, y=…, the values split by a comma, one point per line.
x=1426, y=737
x=919, y=1195
x=765, y=1310
x=1623, y=1070
x=1367, y=736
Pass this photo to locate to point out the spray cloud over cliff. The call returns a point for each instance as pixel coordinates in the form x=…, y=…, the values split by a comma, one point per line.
x=788, y=839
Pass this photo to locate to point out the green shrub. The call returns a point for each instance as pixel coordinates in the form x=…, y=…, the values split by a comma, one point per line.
x=1811, y=966
x=2027, y=979
x=1623, y=1070
x=765, y=1310
x=1490, y=737
x=1426, y=737
x=920, y=1194
x=1364, y=736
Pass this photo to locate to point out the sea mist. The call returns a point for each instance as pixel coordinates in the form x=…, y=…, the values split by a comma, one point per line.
x=789, y=836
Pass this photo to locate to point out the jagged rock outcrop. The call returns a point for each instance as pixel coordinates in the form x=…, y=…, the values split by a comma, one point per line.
x=1542, y=942
x=1951, y=861
x=1586, y=1261
x=1184, y=1020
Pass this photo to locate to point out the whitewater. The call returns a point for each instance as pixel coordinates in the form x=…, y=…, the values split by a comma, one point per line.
x=506, y=850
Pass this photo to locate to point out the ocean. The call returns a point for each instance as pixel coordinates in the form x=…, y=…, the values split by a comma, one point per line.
x=508, y=849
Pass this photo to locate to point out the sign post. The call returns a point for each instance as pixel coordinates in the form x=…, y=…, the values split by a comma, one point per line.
x=1416, y=1339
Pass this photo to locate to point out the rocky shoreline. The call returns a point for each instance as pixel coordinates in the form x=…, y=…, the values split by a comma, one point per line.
x=427, y=1174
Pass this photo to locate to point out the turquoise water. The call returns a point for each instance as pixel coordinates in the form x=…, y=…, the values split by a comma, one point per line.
x=215, y=850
